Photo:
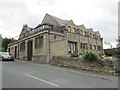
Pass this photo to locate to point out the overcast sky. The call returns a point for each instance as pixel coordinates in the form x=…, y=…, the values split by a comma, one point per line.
x=101, y=15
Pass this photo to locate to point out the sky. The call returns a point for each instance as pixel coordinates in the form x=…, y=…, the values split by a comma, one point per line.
x=101, y=15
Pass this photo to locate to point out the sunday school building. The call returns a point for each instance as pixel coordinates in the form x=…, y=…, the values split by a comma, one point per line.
x=55, y=37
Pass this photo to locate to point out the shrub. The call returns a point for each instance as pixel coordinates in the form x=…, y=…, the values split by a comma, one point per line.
x=90, y=57
x=117, y=70
x=74, y=55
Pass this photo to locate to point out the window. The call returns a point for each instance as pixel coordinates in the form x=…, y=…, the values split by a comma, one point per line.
x=74, y=30
x=81, y=45
x=85, y=33
x=84, y=46
x=93, y=36
x=90, y=35
x=71, y=47
x=97, y=37
x=55, y=36
x=99, y=47
x=69, y=28
x=22, y=46
x=94, y=47
x=81, y=32
x=90, y=46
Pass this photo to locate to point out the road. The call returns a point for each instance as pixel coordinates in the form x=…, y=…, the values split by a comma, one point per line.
x=20, y=74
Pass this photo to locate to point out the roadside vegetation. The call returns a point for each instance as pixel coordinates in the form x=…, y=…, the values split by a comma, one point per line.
x=90, y=62
x=4, y=43
x=91, y=57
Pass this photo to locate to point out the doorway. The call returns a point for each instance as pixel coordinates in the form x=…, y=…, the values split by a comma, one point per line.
x=29, y=50
x=15, y=51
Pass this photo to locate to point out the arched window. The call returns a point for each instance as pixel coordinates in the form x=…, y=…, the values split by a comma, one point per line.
x=85, y=33
x=90, y=46
x=90, y=35
x=74, y=30
x=81, y=32
x=69, y=28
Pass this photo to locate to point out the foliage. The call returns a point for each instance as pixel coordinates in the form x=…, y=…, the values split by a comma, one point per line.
x=74, y=55
x=118, y=48
x=117, y=70
x=111, y=52
x=0, y=43
x=89, y=56
x=5, y=42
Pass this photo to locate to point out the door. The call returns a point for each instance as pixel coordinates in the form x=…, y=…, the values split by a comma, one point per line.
x=15, y=51
x=29, y=50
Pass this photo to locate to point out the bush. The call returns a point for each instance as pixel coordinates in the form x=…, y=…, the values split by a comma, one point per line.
x=74, y=55
x=90, y=57
x=117, y=70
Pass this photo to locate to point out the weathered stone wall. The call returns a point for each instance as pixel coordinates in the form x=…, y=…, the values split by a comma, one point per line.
x=79, y=63
x=39, y=59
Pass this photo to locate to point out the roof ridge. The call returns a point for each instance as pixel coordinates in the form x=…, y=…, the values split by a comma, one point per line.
x=60, y=20
x=53, y=18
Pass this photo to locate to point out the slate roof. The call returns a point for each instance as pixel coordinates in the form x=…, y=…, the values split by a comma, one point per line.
x=60, y=21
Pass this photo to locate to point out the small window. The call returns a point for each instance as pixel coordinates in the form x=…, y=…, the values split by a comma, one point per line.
x=90, y=35
x=99, y=47
x=97, y=37
x=93, y=36
x=81, y=45
x=90, y=46
x=74, y=30
x=55, y=36
x=69, y=28
x=81, y=32
x=84, y=46
x=94, y=47
x=85, y=33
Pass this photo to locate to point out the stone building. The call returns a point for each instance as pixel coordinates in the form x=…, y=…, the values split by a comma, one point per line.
x=55, y=37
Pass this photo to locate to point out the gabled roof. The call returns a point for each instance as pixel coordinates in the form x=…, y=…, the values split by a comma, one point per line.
x=90, y=29
x=81, y=26
x=25, y=29
x=97, y=32
x=54, y=20
x=60, y=21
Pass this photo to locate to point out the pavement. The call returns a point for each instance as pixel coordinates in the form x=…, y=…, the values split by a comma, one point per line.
x=22, y=74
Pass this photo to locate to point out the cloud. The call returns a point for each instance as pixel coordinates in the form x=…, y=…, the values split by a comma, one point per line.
x=101, y=15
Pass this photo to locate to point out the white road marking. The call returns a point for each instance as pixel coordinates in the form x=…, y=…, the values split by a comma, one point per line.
x=92, y=75
x=42, y=80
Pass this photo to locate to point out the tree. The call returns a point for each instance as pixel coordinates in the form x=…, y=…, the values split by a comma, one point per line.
x=0, y=42
x=118, y=48
x=5, y=42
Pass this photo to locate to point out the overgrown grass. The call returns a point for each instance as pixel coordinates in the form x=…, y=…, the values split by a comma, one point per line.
x=91, y=57
x=75, y=55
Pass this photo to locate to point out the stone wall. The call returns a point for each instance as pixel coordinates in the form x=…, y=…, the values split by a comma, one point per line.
x=79, y=63
x=39, y=59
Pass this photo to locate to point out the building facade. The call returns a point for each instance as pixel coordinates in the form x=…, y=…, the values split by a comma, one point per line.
x=55, y=37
